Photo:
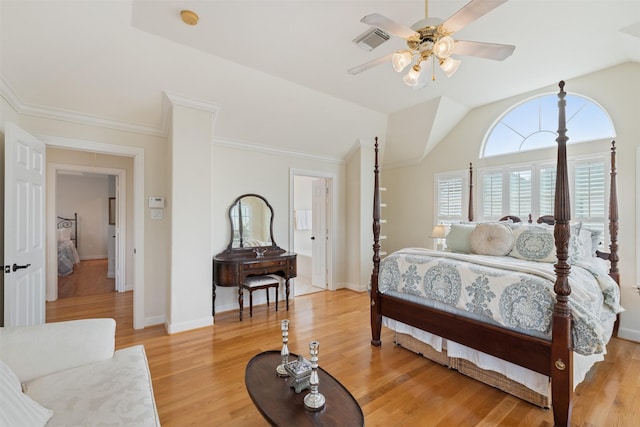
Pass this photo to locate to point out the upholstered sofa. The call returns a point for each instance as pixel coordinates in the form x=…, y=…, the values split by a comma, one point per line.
x=68, y=374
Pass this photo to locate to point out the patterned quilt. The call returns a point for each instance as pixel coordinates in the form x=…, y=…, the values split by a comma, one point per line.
x=514, y=293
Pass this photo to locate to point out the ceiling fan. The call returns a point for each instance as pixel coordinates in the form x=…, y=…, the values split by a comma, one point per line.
x=429, y=40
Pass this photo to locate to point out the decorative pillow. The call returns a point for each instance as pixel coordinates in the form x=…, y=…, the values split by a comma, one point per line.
x=458, y=239
x=534, y=243
x=491, y=239
x=596, y=239
x=18, y=409
x=64, y=234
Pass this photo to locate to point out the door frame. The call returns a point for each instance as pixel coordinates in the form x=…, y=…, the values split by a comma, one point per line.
x=331, y=217
x=52, y=190
x=138, y=208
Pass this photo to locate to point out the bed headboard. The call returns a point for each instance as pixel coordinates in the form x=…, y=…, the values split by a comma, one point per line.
x=71, y=224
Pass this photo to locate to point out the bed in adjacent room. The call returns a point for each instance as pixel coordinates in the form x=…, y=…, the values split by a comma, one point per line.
x=67, y=236
x=524, y=307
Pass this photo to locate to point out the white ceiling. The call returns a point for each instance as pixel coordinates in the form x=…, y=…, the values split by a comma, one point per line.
x=113, y=58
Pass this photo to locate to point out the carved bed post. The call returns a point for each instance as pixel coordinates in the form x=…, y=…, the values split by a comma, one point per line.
x=613, y=218
x=561, y=351
x=471, y=192
x=376, y=317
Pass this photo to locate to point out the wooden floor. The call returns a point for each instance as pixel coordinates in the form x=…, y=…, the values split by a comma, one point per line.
x=198, y=376
x=89, y=277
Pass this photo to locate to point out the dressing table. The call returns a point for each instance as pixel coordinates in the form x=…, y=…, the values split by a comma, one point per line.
x=252, y=250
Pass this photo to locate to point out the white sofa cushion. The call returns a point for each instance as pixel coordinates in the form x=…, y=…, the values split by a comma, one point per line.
x=16, y=408
x=34, y=351
x=116, y=391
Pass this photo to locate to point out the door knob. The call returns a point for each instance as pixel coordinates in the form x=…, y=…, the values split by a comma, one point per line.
x=313, y=238
x=16, y=267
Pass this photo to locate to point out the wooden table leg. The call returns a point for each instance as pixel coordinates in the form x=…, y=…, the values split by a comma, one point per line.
x=240, y=299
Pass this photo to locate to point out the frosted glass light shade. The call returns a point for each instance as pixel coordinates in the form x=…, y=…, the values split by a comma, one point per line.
x=413, y=77
x=444, y=47
x=401, y=59
x=450, y=66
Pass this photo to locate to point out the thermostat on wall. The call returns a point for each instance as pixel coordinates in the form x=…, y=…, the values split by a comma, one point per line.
x=156, y=202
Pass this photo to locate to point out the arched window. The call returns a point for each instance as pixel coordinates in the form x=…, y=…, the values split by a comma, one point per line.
x=533, y=124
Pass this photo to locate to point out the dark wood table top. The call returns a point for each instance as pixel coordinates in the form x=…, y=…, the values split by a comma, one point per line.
x=282, y=406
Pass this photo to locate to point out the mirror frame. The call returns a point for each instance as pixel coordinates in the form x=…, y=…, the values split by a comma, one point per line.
x=273, y=249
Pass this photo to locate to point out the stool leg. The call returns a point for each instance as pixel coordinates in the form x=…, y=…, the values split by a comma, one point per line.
x=267, y=291
x=250, y=303
x=277, y=286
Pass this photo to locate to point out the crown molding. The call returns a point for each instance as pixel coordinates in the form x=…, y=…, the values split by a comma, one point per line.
x=169, y=100
x=223, y=142
x=71, y=116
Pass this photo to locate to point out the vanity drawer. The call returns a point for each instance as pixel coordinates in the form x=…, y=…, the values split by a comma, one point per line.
x=262, y=265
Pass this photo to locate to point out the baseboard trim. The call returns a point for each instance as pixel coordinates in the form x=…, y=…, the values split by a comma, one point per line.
x=173, y=328
x=629, y=334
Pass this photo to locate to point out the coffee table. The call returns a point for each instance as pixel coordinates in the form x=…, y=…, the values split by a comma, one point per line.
x=280, y=405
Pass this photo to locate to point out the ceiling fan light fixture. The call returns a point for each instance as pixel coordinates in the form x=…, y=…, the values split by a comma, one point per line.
x=444, y=47
x=401, y=59
x=449, y=66
x=413, y=76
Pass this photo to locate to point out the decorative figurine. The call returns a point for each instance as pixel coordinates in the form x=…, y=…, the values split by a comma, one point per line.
x=314, y=401
x=280, y=370
x=300, y=371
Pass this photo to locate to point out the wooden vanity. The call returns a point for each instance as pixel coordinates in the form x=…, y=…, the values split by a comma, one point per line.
x=252, y=250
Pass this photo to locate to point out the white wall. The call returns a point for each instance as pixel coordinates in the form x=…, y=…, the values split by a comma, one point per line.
x=410, y=189
x=238, y=171
x=88, y=196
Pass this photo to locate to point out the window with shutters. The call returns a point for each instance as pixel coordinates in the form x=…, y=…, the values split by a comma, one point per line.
x=530, y=189
x=452, y=197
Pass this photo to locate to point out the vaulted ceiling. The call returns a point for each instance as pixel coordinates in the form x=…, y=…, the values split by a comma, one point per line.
x=113, y=59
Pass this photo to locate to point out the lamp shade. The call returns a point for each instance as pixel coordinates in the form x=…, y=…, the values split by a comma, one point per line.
x=413, y=76
x=401, y=59
x=449, y=66
x=444, y=47
x=439, y=231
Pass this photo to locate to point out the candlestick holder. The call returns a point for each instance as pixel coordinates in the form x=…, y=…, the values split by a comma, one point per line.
x=314, y=401
x=280, y=369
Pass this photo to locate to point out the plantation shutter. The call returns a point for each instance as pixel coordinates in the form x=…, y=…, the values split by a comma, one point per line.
x=492, y=195
x=520, y=192
x=450, y=198
x=590, y=195
x=547, y=191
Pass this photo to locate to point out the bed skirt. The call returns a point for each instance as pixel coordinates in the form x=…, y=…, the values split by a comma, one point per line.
x=467, y=368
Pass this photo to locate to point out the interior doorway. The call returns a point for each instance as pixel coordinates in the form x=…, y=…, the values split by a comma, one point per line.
x=312, y=231
x=86, y=205
x=135, y=245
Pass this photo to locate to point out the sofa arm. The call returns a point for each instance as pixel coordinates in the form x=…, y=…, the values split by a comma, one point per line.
x=35, y=351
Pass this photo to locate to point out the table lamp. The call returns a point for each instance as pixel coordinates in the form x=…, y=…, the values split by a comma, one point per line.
x=439, y=232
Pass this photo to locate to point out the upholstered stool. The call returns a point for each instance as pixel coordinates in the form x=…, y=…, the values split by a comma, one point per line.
x=261, y=282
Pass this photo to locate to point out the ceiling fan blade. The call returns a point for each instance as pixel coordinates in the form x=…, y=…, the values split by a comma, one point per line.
x=370, y=64
x=469, y=13
x=496, y=51
x=389, y=25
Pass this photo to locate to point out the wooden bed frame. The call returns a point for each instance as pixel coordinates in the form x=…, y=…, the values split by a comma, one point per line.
x=551, y=358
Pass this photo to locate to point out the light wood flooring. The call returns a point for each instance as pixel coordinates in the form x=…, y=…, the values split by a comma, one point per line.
x=89, y=277
x=198, y=376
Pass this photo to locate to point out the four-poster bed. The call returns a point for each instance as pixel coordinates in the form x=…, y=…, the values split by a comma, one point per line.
x=547, y=353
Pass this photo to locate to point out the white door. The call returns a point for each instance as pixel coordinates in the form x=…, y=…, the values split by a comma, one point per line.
x=319, y=233
x=24, y=226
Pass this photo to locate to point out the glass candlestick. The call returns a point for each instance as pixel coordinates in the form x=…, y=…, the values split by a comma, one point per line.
x=280, y=370
x=314, y=401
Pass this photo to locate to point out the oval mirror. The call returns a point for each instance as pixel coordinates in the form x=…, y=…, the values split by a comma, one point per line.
x=251, y=220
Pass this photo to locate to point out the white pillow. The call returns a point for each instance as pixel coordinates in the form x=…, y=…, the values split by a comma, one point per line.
x=534, y=243
x=18, y=409
x=458, y=239
x=491, y=239
x=64, y=234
